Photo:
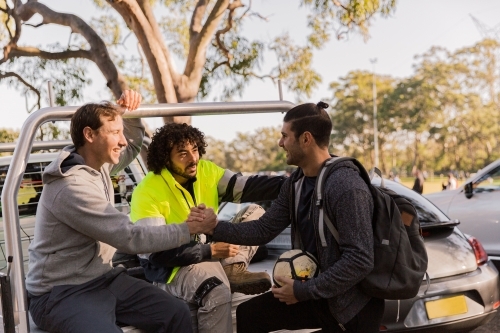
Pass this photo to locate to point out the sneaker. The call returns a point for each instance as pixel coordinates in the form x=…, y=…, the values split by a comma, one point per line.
x=245, y=282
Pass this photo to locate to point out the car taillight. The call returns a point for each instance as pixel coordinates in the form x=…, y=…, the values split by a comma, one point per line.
x=479, y=252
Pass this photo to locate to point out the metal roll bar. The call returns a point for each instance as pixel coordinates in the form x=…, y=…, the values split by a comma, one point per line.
x=37, y=145
x=24, y=146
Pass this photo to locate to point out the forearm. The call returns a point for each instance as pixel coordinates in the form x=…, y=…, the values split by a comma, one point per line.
x=185, y=255
x=94, y=217
x=133, y=129
x=252, y=188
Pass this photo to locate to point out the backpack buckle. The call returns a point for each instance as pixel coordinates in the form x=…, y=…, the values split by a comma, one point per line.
x=319, y=203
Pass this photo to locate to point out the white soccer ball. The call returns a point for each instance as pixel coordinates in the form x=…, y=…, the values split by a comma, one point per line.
x=297, y=265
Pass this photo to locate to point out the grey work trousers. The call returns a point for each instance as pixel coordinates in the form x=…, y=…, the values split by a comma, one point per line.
x=96, y=306
x=206, y=286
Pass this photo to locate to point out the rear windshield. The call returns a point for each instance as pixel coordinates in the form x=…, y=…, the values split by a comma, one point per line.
x=427, y=212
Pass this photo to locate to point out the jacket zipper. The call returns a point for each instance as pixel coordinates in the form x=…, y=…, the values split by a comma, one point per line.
x=197, y=237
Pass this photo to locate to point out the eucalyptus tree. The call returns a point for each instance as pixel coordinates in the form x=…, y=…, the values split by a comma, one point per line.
x=204, y=38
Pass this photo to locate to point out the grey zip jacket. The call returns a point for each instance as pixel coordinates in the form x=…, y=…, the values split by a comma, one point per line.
x=349, y=204
x=78, y=229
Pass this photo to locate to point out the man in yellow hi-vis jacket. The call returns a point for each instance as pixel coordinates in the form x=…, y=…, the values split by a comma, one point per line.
x=200, y=273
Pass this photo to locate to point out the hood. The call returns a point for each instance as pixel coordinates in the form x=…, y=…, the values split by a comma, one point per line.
x=443, y=199
x=67, y=163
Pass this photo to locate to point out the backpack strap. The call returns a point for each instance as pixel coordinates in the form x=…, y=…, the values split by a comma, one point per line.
x=320, y=182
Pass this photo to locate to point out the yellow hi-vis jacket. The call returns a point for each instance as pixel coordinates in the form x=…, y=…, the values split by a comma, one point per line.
x=161, y=198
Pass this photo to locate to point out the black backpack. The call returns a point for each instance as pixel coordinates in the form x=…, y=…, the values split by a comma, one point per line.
x=399, y=250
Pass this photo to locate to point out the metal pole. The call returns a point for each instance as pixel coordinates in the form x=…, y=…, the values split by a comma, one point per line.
x=21, y=155
x=280, y=90
x=375, y=125
x=51, y=94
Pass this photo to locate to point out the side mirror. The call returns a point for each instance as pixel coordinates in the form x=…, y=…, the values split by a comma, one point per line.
x=468, y=191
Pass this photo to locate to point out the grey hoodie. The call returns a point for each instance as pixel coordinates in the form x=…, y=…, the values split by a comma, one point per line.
x=77, y=228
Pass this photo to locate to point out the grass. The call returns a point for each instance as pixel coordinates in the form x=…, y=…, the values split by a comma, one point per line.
x=431, y=185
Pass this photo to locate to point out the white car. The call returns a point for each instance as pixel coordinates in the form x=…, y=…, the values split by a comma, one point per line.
x=476, y=204
x=458, y=269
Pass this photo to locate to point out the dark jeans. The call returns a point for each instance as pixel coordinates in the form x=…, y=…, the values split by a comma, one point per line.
x=97, y=305
x=265, y=313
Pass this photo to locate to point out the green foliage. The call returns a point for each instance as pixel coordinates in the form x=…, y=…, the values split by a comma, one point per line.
x=295, y=66
x=109, y=29
x=343, y=16
x=68, y=77
x=52, y=131
x=8, y=135
x=232, y=79
x=444, y=117
x=176, y=32
x=249, y=152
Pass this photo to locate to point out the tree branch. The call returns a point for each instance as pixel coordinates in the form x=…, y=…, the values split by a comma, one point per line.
x=133, y=15
x=17, y=21
x=35, y=25
x=4, y=75
x=98, y=51
x=198, y=13
x=242, y=73
x=148, y=12
x=197, y=46
x=20, y=51
x=229, y=25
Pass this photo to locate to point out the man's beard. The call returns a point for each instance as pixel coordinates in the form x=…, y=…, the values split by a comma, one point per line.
x=295, y=156
x=179, y=172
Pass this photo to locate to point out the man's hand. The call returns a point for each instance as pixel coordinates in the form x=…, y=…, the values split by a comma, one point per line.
x=130, y=100
x=208, y=220
x=285, y=293
x=222, y=250
x=197, y=214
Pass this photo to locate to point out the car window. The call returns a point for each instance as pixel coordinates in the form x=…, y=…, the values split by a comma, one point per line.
x=228, y=210
x=123, y=185
x=488, y=182
x=426, y=210
x=30, y=189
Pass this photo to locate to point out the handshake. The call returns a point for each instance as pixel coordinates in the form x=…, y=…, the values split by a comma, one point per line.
x=201, y=220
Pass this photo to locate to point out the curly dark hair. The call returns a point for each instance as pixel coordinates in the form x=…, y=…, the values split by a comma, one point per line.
x=168, y=136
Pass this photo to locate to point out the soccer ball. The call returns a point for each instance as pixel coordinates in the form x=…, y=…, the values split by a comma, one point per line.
x=297, y=265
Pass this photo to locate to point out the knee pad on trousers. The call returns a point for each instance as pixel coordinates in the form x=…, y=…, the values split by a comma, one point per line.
x=250, y=213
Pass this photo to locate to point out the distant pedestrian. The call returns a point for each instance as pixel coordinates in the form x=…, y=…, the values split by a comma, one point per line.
x=418, y=185
x=396, y=178
x=452, y=182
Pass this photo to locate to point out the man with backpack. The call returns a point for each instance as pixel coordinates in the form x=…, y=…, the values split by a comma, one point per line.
x=334, y=300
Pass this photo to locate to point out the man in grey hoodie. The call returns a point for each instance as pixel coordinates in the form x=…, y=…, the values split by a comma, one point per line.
x=72, y=285
x=333, y=300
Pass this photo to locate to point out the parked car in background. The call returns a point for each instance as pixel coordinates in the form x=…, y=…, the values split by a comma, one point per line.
x=462, y=293
x=476, y=204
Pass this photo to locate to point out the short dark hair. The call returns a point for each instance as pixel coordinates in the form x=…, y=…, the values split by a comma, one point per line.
x=168, y=136
x=90, y=115
x=311, y=118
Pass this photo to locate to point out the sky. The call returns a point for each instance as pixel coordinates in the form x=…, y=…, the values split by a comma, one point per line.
x=414, y=27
